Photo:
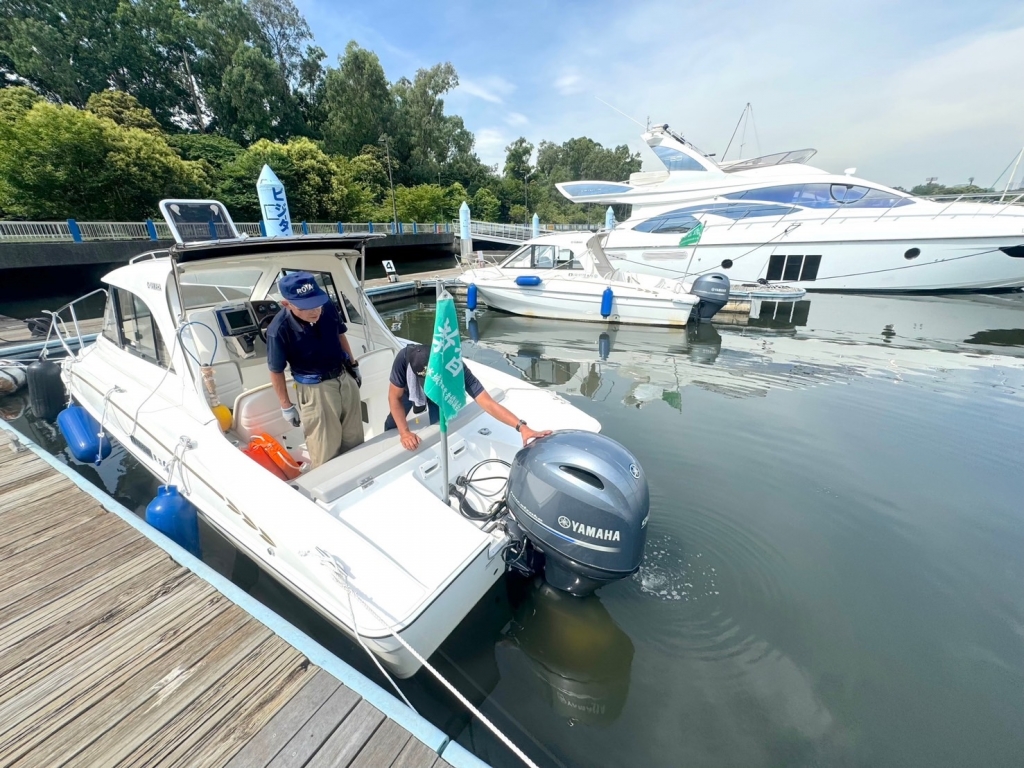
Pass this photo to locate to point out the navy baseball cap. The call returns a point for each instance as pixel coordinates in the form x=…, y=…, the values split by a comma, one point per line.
x=301, y=290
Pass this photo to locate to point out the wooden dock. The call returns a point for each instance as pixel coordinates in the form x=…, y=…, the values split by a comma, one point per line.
x=114, y=654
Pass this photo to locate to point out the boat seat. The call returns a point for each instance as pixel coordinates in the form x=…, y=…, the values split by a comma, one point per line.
x=257, y=411
x=343, y=474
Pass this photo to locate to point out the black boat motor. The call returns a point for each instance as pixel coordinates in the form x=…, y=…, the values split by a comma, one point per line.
x=581, y=500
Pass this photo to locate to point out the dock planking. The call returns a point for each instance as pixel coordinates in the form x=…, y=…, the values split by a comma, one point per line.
x=113, y=654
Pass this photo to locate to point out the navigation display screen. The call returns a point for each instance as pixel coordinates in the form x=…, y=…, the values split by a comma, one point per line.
x=236, y=321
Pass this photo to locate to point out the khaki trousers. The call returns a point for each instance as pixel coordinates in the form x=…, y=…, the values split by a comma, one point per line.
x=332, y=418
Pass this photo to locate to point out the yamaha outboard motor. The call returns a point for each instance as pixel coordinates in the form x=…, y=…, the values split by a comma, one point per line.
x=713, y=292
x=581, y=500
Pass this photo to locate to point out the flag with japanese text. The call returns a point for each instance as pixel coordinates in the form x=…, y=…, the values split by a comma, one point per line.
x=445, y=382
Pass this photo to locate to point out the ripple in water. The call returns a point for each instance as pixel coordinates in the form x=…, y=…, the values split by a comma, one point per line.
x=666, y=574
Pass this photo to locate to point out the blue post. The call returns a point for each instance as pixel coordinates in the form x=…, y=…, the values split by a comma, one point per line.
x=151, y=228
x=370, y=225
x=436, y=230
x=415, y=230
x=393, y=228
x=263, y=229
x=536, y=225
x=341, y=228
x=305, y=229
x=609, y=218
x=213, y=229
x=76, y=233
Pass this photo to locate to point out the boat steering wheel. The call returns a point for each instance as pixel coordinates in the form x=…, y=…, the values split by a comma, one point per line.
x=265, y=312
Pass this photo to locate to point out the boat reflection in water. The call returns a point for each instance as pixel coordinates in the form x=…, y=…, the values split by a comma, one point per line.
x=577, y=652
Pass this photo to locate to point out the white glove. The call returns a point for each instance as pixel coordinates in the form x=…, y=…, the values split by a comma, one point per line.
x=291, y=415
x=358, y=377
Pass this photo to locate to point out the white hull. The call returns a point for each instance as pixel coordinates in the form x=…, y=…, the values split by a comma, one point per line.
x=364, y=539
x=559, y=302
x=968, y=264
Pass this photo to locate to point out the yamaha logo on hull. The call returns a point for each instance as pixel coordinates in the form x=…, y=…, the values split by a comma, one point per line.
x=634, y=470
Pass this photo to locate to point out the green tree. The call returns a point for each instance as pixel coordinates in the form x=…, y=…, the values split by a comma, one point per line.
x=254, y=101
x=357, y=102
x=454, y=196
x=517, y=159
x=58, y=162
x=123, y=108
x=285, y=30
x=319, y=188
x=485, y=206
x=425, y=202
x=15, y=102
x=218, y=151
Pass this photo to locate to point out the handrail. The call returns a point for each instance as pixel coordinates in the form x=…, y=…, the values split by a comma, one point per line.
x=57, y=323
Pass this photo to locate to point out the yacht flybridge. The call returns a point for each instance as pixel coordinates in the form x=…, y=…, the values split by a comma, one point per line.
x=775, y=218
x=365, y=539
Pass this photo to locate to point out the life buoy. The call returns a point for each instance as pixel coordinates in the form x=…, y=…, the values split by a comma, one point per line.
x=271, y=455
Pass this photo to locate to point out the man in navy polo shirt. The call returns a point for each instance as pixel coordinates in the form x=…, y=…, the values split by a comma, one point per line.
x=309, y=336
x=405, y=390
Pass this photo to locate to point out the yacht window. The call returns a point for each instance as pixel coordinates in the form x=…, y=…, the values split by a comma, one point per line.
x=588, y=188
x=670, y=223
x=139, y=330
x=544, y=256
x=536, y=257
x=111, y=328
x=520, y=259
x=213, y=286
x=675, y=160
x=325, y=280
x=823, y=196
x=567, y=260
x=847, y=193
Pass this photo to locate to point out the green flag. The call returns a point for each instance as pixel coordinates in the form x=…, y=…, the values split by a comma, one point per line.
x=693, y=236
x=445, y=383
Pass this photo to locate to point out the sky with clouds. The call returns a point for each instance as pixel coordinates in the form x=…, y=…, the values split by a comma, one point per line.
x=901, y=90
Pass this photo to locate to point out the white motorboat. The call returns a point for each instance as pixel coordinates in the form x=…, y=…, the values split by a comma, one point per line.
x=364, y=539
x=567, y=276
x=775, y=218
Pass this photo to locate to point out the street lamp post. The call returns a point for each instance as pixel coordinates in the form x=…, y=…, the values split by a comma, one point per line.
x=526, y=195
x=391, y=182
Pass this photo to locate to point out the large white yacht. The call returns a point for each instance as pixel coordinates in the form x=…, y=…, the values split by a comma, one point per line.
x=365, y=539
x=776, y=218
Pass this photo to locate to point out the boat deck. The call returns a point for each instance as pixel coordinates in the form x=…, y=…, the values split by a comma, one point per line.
x=114, y=654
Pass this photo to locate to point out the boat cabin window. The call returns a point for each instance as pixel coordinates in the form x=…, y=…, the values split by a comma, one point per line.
x=214, y=286
x=136, y=328
x=542, y=257
x=675, y=160
x=326, y=281
x=823, y=195
x=676, y=222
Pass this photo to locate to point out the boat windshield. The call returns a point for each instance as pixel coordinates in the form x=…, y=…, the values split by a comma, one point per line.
x=541, y=256
x=212, y=286
x=779, y=158
x=824, y=195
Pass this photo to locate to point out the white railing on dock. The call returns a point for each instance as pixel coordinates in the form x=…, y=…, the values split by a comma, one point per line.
x=86, y=231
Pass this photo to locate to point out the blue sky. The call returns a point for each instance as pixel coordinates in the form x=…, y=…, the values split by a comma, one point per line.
x=899, y=90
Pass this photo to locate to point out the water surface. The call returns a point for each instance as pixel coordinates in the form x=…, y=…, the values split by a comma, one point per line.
x=833, y=573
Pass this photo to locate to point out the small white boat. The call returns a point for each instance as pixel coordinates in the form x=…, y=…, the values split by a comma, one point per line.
x=364, y=539
x=567, y=276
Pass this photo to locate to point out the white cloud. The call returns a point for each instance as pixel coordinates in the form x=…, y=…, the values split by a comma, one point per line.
x=516, y=119
x=490, y=145
x=491, y=88
x=568, y=83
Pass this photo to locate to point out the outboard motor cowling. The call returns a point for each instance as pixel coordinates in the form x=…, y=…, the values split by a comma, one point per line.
x=713, y=292
x=581, y=500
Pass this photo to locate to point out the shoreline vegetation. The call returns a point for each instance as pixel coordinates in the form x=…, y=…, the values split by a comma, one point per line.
x=107, y=106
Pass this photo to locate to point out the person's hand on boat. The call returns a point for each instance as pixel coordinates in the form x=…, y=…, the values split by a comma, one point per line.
x=530, y=435
x=291, y=415
x=410, y=441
